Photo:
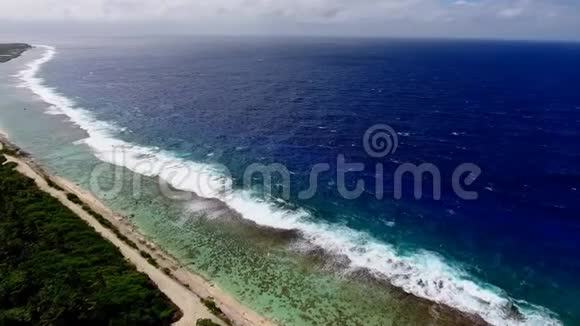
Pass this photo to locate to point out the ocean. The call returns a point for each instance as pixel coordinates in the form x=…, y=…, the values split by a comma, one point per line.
x=132, y=119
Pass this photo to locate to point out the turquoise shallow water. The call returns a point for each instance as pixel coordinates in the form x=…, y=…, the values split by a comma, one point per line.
x=252, y=263
x=199, y=105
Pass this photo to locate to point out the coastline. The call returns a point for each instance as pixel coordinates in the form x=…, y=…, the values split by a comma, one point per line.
x=12, y=51
x=184, y=288
x=198, y=286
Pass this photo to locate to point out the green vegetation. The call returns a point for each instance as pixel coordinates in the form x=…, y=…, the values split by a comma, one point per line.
x=214, y=309
x=6, y=149
x=53, y=185
x=105, y=223
x=205, y=322
x=211, y=305
x=56, y=270
x=149, y=258
x=74, y=198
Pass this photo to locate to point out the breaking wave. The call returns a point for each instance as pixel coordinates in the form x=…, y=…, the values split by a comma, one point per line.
x=424, y=274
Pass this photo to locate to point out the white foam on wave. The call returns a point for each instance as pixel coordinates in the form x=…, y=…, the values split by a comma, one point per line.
x=424, y=273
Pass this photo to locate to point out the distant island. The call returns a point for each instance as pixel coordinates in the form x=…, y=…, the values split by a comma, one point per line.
x=10, y=51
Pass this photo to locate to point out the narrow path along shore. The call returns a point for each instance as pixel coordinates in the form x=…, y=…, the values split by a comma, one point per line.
x=184, y=288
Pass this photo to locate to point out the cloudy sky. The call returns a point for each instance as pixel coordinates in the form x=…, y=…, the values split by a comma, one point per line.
x=527, y=19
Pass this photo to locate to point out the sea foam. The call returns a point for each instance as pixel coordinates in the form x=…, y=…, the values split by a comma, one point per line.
x=424, y=274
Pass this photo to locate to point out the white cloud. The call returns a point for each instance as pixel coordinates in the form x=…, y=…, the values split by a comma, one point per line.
x=510, y=12
x=471, y=17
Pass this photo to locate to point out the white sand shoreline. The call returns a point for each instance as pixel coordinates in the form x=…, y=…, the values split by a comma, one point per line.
x=183, y=287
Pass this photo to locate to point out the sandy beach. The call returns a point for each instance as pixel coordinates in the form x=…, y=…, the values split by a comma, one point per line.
x=183, y=287
x=160, y=116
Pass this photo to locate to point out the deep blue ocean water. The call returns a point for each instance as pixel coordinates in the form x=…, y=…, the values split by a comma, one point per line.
x=512, y=108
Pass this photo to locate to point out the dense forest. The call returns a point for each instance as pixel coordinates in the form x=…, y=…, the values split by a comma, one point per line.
x=56, y=270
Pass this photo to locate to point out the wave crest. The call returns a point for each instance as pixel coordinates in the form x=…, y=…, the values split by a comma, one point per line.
x=424, y=274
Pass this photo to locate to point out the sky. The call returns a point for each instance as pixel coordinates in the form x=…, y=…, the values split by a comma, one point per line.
x=505, y=19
